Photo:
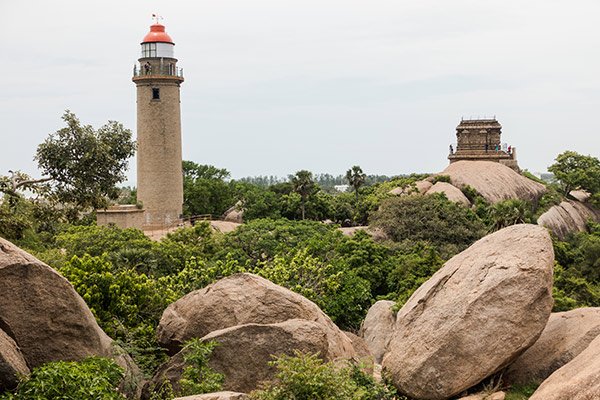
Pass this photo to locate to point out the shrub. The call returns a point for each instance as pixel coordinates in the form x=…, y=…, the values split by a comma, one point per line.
x=197, y=376
x=94, y=378
x=307, y=377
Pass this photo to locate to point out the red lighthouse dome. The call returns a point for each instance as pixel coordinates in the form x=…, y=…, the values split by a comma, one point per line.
x=157, y=34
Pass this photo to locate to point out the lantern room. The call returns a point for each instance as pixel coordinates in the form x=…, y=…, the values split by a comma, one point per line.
x=157, y=43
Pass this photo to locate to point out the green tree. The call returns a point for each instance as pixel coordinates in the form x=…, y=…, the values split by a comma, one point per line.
x=576, y=171
x=84, y=165
x=431, y=218
x=304, y=185
x=205, y=190
x=356, y=178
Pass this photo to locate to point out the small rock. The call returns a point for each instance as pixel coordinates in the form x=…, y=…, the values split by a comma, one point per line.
x=377, y=328
x=12, y=363
x=577, y=380
x=566, y=335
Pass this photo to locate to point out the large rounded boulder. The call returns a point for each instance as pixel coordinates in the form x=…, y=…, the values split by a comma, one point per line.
x=568, y=217
x=43, y=313
x=474, y=316
x=243, y=352
x=577, y=380
x=566, y=335
x=494, y=181
x=12, y=363
x=451, y=192
x=377, y=328
x=237, y=300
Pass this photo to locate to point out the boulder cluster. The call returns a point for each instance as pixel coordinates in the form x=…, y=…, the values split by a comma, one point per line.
x=252, y=320
x=485, y=313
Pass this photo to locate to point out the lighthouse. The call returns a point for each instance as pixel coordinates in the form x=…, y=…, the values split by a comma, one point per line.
x=159, y=173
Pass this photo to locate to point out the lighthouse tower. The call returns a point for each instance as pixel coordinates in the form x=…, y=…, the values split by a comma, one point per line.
x=159, y=174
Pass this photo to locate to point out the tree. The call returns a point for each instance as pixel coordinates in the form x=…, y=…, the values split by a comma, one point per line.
x=576, y=171
x=304, y=185
x=84, y=165
x=356, y=178
x=205, y=190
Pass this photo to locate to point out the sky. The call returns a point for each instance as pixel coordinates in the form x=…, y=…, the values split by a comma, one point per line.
x=275, y=86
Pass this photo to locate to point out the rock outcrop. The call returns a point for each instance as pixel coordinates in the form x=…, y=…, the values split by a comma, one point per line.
x=41, y=311
x=566, y=335
x=568, y=217
x=237, y=300
x=494, y=181
x=577, y=380
x=235, y=213
x=12, y=363
x=452, y=193
x=479, y=312
x=417, y=187
x=377, y=328
x=244, y=352
x=216, y=396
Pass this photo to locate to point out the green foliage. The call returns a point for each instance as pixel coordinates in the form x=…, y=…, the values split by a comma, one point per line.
x=205, y=190
x=576, y=171
x=520, y=392
x=197, y=376
x=411, y=270
x=127, y=304
x=304, y=185
x=441, y=178
x=433, y=219
x=509, y=212
x=86, y=164
x=339, y=292
x=307, y=377
x=92, y=379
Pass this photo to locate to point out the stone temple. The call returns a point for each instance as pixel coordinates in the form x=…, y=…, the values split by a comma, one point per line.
x=480, y=140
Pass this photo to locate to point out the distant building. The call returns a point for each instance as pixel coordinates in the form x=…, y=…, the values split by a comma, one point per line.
x=159, y=171
x=341, y=188
x=480, y=140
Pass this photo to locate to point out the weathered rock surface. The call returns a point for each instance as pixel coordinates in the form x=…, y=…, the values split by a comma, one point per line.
x=237, y=300
x=580, y=195
x=577, y=380
x=362, y=355
x=244, y=352
x=377, y=328
x=216, y=396
x=452, y=193
x=235, y=213
x=494, y=181
x=12, y=363
x=566, y=335
x=42, y=312
x=479, y=312
x=485, y=396
x=417, y=187
x=568, y=217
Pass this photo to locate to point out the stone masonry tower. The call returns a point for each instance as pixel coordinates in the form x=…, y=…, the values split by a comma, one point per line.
x=159, y=174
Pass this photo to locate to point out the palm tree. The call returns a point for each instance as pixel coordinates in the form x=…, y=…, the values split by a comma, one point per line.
x=304, y=185
x=356, y=178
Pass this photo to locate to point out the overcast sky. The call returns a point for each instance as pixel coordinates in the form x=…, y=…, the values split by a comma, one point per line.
x=275, y=86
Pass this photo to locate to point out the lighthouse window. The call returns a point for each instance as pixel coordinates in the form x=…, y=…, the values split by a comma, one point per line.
x=148, y=50
x=155, y=94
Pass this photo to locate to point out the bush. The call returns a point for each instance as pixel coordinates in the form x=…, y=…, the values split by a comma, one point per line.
x=307, y=377
x=197, y=376
x=432, y=218
x=94, y=378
